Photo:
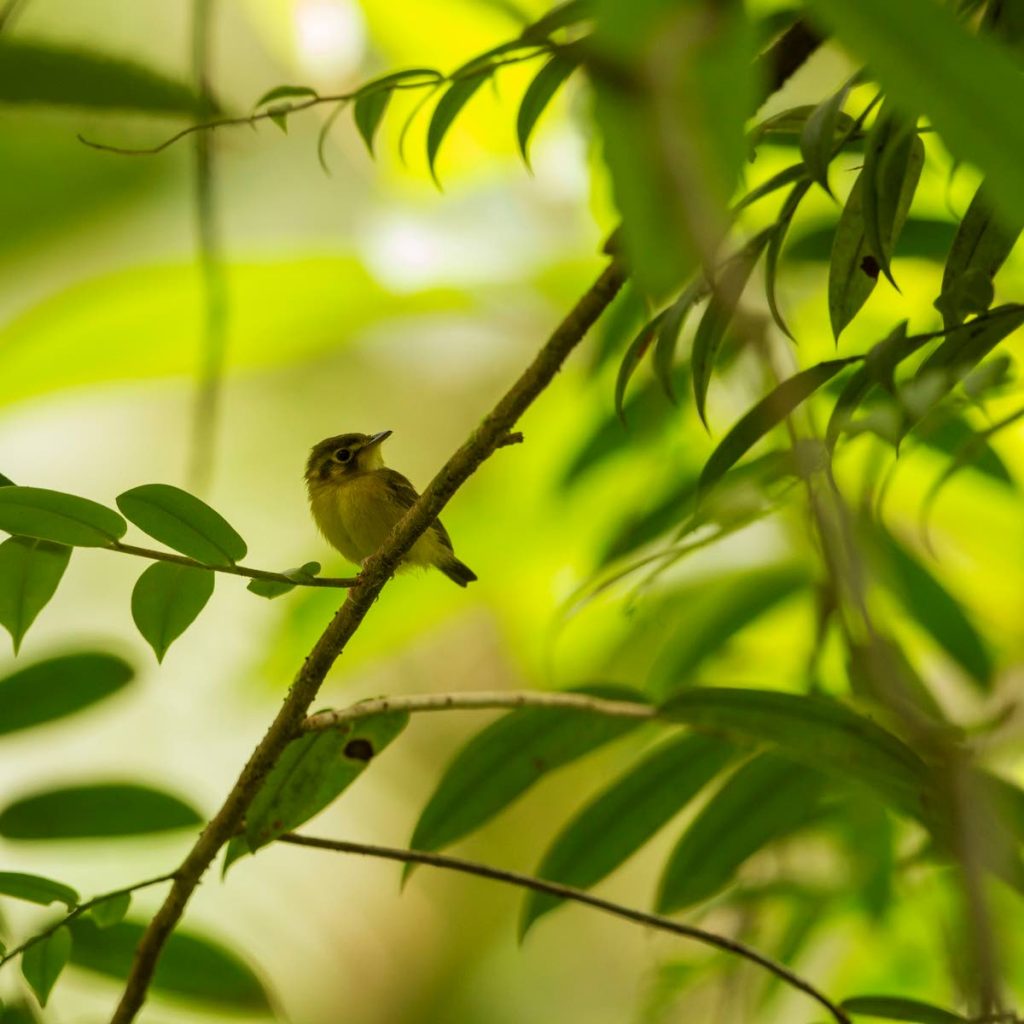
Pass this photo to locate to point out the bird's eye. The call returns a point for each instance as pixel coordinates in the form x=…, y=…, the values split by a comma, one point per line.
x=342, y=455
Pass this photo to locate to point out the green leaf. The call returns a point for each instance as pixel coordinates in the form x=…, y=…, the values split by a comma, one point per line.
x=767, y=414
x=51, y=689
x=912, y=45
x=818, y=138
x=112, y=910
x=507, y=758
x=96, y=811
x=623, y=817
x=38, y=72
x=42, y=963
x=279, y=116
x=774, y=251
x=6, y=481
x=183, y=522
x=30, y=571
x=167, y=599
x=668, y=334
x=821, y=733
x=314, y=771
x=767, y=799
x=286, y=92
x=58, y=517
x=539, y=94
x=275, y=588
x=635, y=353
x=731, y=279
x=36, y=889
x=367, y=112
x=190, y=967
x=981, y=245
x=563, y=15
x=898, y=1008
x=457, y=95
x=17, y=1013
x=787, y=176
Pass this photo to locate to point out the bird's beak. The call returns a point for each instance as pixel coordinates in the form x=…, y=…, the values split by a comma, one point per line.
x=377, y=438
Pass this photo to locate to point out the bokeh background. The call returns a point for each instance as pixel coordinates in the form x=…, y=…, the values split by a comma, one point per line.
x=365, y=299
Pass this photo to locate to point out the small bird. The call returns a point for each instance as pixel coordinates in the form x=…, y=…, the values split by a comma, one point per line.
x=356, y=500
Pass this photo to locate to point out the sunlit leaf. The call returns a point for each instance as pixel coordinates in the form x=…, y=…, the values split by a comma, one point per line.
x=539, y=94
x=95, y=811
x=774, y=250
x=286, y=92
x=766, y=799
x=190, y=967
x=30, y=571
x=668, y=334
x=275, y=588
x=455, y=97
x=562, y=15
x=899, y=1008
x=112, y=910
x=787, y=176
x=818, y=138
x=620, y=819
x=36, y=889
x=367, y=112
x=167, y=599
x=42, y=963
x=50, y=689
x=507, y=758
x=58, y=517
x=183, y=522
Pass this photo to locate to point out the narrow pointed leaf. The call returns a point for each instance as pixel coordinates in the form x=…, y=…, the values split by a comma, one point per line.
x=767, y=799
x=507, y=758
x=58, y=517
x=30, y=571
x=767, y=414
x=668, y=334
x=36, y=889
x=563, y=15
x=51, y=689
x=183, y=522
x=367, y=111
x=112, y=910
x=538, y=95
x=899, y=1008
x=818, y=138
x=42, y=963
x=286, y=92
x=635, y=353
x=787, y=176
x=774, y=251
x=457, y=95
x=96, y=811
x=6, y=481
x=167, y=599
x=623, y=817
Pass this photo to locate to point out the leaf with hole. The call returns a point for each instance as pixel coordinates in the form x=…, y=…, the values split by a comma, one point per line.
x=30, y=571
x=623, y=817
x=455, y=97
x=900, y=1008
x=56, y=687
x=58, y=517
x=43, y=962
x=367, y=112
x=183, y=522
x=36, y=889
x=765, y=800
x=167, y=599
x=539, y=94
x=99, y=810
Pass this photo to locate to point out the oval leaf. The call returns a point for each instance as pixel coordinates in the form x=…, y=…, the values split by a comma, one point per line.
x=50, y=689
x=454, y=99
x=58, y=517
x=539, y=94
x=507, y=758
x=167, y=599
x=112, y=910
x=367, y=112
x=768, y=798
x=183, y=522
x=42, y=963
x=275, y=588
x=623, y=817
x=96, y=811
x=898, y=1008
x=30, y=571
x=36, y=889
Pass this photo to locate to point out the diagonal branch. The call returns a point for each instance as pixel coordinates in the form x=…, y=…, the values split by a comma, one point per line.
x=568, y=892
x=378, y=570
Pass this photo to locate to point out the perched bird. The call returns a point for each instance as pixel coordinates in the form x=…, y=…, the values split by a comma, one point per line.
x=356, y=500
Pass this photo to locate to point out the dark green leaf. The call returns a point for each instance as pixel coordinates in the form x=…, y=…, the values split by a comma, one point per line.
x=816, y=731
x=42, y=963
x=58, y=517
x=6, y=481
x=668, y=334
x=167, y=599
x=632, y=359
x=507, y=758
x=279, y=116
x=190, y=967
x=112, y=910
x=457, y=95
x=898, y=1008
x=563, y=15
x=619, y=820
x=409, y=77
x=539, y=94
x=621, y=321
x=367, y=112
x=818, y=138
x=286, y=92
x=51, y=689
x=275, y=588
x=774, y=250
x=17, y=1013
x=767, y=799
x=922, y=238
x=37, y=72
x=768, y=413
x=36, y=889
x=785, y=177
x=183, y=522
x=30, y=571
x=730, y=281
x=96, y=811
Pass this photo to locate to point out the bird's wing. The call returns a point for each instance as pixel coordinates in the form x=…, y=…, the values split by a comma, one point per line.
x=405, y=495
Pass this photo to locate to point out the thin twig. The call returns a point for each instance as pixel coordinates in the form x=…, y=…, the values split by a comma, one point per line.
x=233, y=570
x=80, y=909
x=567, y=892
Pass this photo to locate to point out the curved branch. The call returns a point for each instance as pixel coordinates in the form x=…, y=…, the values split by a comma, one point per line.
x=568, y=892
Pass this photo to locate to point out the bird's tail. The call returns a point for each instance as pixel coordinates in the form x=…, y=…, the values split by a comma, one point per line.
x=457, y=572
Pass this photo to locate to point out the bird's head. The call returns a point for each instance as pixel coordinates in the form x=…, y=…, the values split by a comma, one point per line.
x=336, y=458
